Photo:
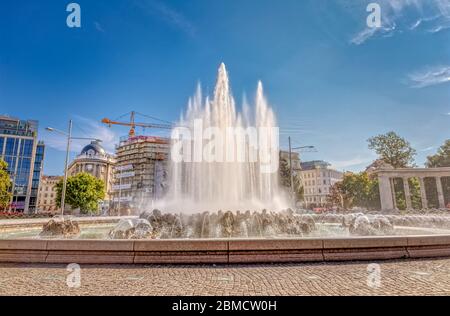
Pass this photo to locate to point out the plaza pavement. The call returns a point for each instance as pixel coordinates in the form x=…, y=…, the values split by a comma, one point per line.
x=404, y=277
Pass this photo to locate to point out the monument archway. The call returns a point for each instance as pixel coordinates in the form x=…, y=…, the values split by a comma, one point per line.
x=440, y=176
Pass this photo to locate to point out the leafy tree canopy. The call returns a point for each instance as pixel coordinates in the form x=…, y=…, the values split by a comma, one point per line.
x=393, y=149
x=5, y=185
x=84, y=191
x=442, y=157
x=356, y=189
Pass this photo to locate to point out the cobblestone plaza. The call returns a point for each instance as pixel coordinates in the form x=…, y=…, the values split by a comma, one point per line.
x=411, y=277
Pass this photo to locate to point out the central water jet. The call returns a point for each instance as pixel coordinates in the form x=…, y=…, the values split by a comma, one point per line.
x=223, y=159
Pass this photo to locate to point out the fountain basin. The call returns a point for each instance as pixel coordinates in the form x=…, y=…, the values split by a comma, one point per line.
x=329, y=241
x=223, y=251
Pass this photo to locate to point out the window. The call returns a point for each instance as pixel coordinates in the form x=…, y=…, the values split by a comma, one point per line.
x=11, y=147
x=2, y=141
x=27, y=148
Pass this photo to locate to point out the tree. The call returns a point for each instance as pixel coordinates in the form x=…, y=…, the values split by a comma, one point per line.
x=285, y=180
x=84, y=191
x=5, y=185
x=393, y=149
x=442, y=157
x=356, y=189
x=337, y=196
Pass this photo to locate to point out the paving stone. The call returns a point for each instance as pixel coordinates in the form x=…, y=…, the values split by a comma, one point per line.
x=402, y=277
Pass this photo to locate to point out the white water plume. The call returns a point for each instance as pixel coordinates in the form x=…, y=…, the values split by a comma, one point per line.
x=234, y=182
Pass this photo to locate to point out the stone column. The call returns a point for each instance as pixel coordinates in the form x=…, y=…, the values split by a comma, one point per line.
x=385, y=193
x=440, y=192
x=423, y=193
x=407, y=194
x=393, y=197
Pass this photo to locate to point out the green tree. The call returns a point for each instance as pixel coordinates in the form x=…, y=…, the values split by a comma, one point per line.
x=414, y=188
x=5, y=185
x=356, y=189
x=285, y=180
x=442, y=157
x=393, y=149
x=84, y=191
x=337, y=196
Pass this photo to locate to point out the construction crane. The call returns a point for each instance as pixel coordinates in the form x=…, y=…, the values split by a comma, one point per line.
x=133, y=124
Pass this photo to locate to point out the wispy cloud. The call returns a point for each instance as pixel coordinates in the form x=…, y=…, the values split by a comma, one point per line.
x=83, y=127
x=352, y=163
x=399, y=16
x=429, y=77
x=171, y=16
x=426, y=149
x=99, y=27
x=367, y=33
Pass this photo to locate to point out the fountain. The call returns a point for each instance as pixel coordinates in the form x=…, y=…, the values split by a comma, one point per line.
x=228, y=174
x=225, y=205
x=202, y=187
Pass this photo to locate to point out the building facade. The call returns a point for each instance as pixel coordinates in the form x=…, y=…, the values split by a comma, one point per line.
x=24, y=154
x=140, y=172
x=317, y=178
x=47, y=197
x=93, y=159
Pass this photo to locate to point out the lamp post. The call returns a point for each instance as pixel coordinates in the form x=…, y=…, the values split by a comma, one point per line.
x=69, y=139
x=290, y=163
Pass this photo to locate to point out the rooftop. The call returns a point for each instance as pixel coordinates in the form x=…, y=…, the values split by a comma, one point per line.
x=315, y=164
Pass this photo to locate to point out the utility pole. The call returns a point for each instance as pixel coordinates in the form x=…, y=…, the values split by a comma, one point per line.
x=290, y=168
x=63, y=194
x=301, y=148
x=120, y=190
x=69, y=139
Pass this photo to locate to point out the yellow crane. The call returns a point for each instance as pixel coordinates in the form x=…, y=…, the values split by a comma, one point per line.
x=133, y=124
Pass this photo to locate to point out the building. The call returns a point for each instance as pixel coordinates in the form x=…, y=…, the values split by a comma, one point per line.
x=47, y=197
x=140, y=172
x=20, y=148
x=93, y=159
x=317, y=178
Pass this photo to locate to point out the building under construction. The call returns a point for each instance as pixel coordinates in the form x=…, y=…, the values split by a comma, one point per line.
x=140, y=172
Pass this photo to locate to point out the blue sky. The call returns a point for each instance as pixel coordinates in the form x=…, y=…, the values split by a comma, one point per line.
x=332, y=81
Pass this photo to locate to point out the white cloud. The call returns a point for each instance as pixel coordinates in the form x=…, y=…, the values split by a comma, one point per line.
x=364, y=35
x=416, y=25
x=351, y=163
x=426, y=149
x=429, y=77
x=169, y=15
x=99, y=27
x=83, y=127
x=407, y=15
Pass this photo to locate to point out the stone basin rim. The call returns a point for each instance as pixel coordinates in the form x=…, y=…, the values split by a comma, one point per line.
x=239, y=239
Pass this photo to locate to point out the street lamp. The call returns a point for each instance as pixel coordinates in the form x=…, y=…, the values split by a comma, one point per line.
x=69, y=138
x=312, y=148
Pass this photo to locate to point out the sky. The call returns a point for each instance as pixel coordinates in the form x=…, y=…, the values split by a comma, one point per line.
x=333, y=81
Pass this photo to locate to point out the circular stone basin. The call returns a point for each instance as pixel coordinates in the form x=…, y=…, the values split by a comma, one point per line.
x=20, y=242
x=101, y=232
